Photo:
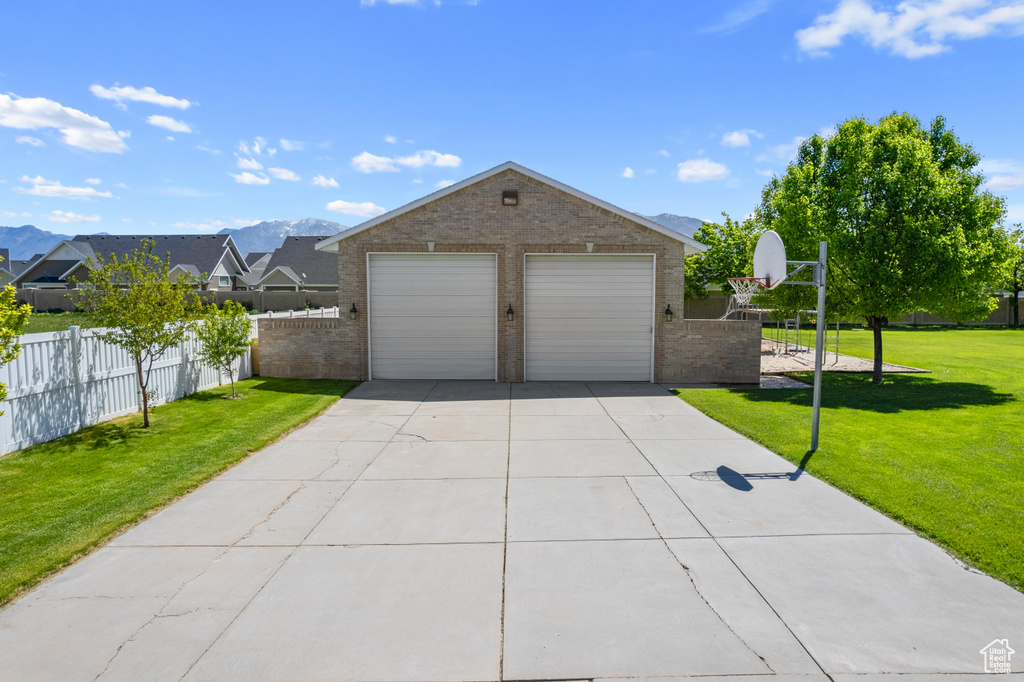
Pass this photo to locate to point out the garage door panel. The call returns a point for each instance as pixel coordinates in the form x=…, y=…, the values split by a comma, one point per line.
x=589, y=318
x=433, y=316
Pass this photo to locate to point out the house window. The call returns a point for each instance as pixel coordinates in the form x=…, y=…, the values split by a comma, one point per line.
x=223, y=281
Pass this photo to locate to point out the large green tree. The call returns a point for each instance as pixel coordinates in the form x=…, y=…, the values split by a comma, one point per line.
x=143, y=310
x=907, y=223
x=729, y=254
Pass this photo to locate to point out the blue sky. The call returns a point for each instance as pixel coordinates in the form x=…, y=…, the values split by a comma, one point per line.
x=155, y=117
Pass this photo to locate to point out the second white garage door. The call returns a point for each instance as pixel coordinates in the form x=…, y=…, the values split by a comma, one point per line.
x=433, y=316
x=589, y=318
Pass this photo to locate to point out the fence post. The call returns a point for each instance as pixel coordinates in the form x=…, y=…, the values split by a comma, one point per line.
x=78, y=376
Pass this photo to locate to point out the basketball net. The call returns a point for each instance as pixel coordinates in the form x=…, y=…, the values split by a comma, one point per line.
x=746, y=288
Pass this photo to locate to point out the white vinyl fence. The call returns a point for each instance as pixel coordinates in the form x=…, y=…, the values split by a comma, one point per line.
x=65, y=381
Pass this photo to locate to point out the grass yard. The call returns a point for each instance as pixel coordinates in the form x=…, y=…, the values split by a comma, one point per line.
x=63, y=498
x=54, y=322
x=942, y=453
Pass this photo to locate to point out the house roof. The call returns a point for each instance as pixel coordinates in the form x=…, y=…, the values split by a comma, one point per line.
x=255, y=256
x=690, y=245
x=54, y=271
x=299, y=259
x=204, y=251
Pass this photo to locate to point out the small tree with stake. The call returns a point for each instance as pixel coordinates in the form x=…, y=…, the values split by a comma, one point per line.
x=144, y=310
x=12, y=320
x=224, y=336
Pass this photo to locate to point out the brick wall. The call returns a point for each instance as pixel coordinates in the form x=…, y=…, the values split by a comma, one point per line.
x=303, y=349
x=712, y=351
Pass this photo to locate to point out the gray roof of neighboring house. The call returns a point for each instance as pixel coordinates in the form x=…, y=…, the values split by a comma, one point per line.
x=255, y=256
x=203, y=251
x=53, y=270
x=298, y=258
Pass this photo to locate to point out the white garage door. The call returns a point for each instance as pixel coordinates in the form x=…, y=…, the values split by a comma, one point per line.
x=433, y=316
x=589, y=318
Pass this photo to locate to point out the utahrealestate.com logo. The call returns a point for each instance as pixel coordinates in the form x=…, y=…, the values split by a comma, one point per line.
x=997, y=656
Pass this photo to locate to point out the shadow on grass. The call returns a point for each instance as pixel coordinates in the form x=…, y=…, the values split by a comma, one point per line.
x=897, y=393
x=336, y=387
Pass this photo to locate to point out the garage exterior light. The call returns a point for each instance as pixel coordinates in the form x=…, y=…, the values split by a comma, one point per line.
x=510, y=314
x=353, y=312
x=668, y=313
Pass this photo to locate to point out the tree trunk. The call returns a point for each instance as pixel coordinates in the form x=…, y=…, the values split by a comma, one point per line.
x=231, y=377
x=876, y=327
x=145, y=395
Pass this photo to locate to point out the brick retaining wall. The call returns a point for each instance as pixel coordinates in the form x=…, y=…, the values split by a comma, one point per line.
x=308, y=348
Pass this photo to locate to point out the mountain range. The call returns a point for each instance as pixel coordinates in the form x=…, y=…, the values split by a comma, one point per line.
x=270, y=234
x=28, y=240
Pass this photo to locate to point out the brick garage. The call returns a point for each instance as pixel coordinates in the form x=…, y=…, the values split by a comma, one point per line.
x=509, y=221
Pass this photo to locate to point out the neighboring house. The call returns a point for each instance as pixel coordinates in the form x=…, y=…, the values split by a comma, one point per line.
x=512, y=276
x=213, y=258
x=9, y=269
x=257, y=262
x=298, y=266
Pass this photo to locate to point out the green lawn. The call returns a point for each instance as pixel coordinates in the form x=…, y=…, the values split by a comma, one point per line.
x=54, y=322
x=942, y=453
x=63, y=498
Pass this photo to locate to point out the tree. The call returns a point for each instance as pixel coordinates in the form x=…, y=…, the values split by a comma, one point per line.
x=730, y=254
x=13, y=318
x=224, y=336
x=1015, y=270
x=144, y=311
x=907, y=224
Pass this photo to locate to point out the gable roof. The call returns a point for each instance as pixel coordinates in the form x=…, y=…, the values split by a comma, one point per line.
x=254, y=257
x=299, y=259
x=690, y=245
x=204, y=251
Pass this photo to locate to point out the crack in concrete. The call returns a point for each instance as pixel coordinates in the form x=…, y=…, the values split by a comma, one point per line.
x=689, y=575
x=302, y=486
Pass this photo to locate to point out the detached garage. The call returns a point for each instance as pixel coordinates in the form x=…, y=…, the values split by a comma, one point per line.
x=509, y=276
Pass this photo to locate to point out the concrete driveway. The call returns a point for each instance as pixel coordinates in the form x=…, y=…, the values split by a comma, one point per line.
x=478, y=531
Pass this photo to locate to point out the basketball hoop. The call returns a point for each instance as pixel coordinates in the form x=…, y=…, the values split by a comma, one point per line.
x=746, y=288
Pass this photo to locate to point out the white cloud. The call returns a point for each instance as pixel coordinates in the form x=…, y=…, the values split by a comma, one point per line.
x=321, y=181
x=62, y=217
x=915, y=28
x=29, y=140
x=430, y=158
x=250, y=179
x=766, y=173
x=215, y=152
x=370, y=163
x=169, y=138
x=781, y=152
x=283, y=174
x=94, y=181
x=364, y=209
x=739, y=138
x=628, y=173
x=664, y=152
x=739, y=16
x=78, y=128
x=292, y=145
x=249, y=164
x=390, y=139
x=121, y=94
x=441, y=184
x=1002, y=175
x=127, y=220
x=701, y=170
x=169, y=123
x=650, y=171
x=271, y=151
x=417, y=181
x=124, y=134
x=52, y=188
x=255, y=148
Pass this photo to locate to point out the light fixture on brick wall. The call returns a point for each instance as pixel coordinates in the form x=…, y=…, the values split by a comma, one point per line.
x=353, y=312
x=668, y=313
x=430, y=246
x=510, y=197
x=590, y=247
x=510, y=314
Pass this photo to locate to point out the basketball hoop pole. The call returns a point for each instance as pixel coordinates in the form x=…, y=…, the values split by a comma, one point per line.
x=819, y=345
